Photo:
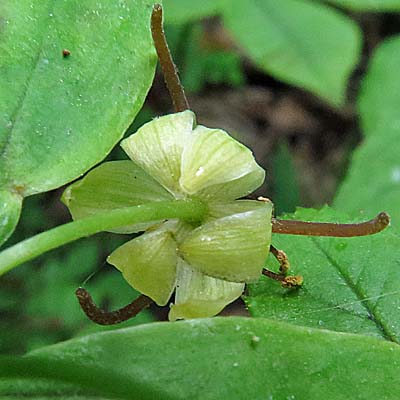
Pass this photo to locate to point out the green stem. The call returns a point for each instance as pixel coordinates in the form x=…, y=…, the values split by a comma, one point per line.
x=189, y=210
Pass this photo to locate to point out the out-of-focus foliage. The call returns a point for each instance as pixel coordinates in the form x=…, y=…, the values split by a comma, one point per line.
x=373, y=183
x=286, y=188
x=180, y=12
x=285, y=39
x=204, y=64
x=367, y=5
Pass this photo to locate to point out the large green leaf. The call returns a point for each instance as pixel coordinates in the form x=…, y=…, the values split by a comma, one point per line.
x=373, y=182
x=218, y=358
x=367, y=5
x=300, y=42
x=61, y=115
x=350, y=284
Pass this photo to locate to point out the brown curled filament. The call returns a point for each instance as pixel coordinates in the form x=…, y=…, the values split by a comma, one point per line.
x=102, y=317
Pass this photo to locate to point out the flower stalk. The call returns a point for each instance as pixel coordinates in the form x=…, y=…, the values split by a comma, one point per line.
x=189, y=210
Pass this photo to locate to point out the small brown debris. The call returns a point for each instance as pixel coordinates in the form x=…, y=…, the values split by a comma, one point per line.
x=66, y=53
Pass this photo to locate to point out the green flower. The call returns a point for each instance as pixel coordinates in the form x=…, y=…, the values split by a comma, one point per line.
x=205, y=264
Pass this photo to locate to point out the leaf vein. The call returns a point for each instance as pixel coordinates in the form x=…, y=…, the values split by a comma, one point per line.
x=365, y=302
x=15, y=114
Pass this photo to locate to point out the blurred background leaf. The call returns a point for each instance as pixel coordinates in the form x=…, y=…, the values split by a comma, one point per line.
x=373, y=181
x=286, y=189
x=285, y=39
x=367, y=5
x=180, y=12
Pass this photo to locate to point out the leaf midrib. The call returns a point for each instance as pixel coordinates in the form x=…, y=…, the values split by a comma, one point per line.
x=362, y=299
x=19, y=106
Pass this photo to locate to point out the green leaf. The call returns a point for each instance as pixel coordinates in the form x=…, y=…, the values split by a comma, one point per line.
x=368, y=5
x=350, y=284
x=300, y=42
x=10, y=210
x=375, y=168
x=219, y=358
x=61, y=115
x=37, y=389
x=180, y=12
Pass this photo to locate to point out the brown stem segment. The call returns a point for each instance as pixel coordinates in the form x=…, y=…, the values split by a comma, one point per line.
x=168, y=67
x=102, y=317
x=380, y=222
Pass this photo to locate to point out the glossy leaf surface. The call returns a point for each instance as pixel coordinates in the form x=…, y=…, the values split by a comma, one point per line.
x=59, y=115
x=218, y=358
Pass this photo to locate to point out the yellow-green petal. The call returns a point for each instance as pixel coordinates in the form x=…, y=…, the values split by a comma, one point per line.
x=113, y=185
x=212, y=157
x=234, y=189
x=158, y=145
x=200, y=296
x=233, y=248
x=224, y=209
x=179, y=229
x=148, y=263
